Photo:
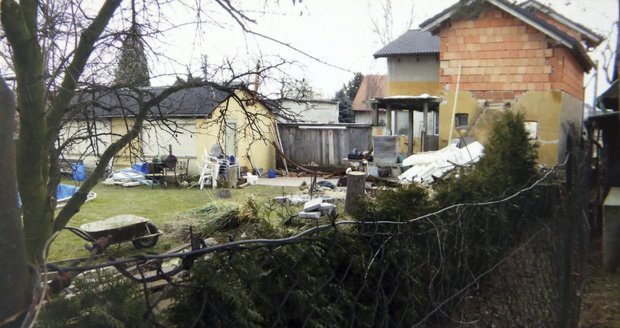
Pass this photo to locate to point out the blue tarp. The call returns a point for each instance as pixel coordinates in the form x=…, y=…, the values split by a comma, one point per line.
x=63, y=192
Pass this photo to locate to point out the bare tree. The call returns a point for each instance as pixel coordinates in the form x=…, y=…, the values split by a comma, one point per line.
x=14, y=274
x=61, y=49
x=383, y=24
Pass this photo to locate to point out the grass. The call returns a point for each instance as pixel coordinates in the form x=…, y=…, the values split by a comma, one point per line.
x=161, y=206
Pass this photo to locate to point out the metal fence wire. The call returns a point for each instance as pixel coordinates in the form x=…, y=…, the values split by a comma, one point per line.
x=516, y=261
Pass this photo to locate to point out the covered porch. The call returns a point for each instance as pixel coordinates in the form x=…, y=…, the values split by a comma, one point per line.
x=426, y=104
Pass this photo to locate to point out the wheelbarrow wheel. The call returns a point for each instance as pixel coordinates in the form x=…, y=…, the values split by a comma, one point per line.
x=147, y=242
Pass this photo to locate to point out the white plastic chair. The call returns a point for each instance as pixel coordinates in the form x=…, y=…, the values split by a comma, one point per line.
x=209, y=171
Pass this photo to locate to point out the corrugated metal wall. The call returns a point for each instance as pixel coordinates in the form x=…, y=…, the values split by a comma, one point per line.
x=324, y=145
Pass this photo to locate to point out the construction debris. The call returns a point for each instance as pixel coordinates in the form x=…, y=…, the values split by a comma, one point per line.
x=315, y=208
x=426, y=167
x=309, y=215
x=128, y=177
x=313, y=204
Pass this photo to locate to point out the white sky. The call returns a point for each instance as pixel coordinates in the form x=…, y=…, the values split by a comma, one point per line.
x=338, y=32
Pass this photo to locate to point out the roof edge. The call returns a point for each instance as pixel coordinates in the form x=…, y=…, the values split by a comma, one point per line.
x=434, y=23
x=595, y=38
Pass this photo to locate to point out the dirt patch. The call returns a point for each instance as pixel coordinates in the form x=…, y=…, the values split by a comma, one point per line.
x=600, y=306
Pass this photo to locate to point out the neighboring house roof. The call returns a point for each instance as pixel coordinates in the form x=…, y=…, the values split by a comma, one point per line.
x=413, y=42
x=609, y=98
x=434, y=23
x=309, y=101
x=190, y=102
x=372, y=86
x=592, y=39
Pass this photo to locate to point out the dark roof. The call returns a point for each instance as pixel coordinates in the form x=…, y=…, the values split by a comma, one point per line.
x=191, y=102
x=413, y=42
x=603, y=121
x=434, y=23
x=415, y=103
x=609, y=98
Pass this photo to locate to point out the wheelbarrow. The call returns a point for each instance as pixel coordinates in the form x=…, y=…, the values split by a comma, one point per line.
x=121, y=228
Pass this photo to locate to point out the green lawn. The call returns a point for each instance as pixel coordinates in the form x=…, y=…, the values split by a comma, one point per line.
x=162, y=206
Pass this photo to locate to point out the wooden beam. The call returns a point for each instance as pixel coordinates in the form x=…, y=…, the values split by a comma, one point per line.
x=388, y=119
x=424, y=127
x=292, y=162
x=411, y=126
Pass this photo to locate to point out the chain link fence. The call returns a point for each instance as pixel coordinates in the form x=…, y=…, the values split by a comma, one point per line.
x=519, y=260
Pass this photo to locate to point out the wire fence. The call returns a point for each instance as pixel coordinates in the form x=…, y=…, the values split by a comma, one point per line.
x=519, y=260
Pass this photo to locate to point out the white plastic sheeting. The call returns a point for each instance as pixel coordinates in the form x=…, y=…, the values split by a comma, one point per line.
x=128, y=178
x=427, y=166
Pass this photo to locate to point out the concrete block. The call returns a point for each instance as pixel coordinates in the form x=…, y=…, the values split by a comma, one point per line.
x=611, y=230
x=326, y=206
x=309, y=215
x=313, y=204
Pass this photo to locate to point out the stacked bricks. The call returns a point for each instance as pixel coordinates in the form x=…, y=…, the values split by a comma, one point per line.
x=501, y=57
x=550, y=20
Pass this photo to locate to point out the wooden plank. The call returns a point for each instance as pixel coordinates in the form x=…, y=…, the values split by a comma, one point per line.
x=330, y=146
x=325, y=147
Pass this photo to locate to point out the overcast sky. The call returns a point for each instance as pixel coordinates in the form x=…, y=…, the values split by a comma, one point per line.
x=339, y=33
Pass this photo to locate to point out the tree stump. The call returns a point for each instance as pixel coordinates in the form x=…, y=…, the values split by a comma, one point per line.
x=223, y=193
x=356, y=184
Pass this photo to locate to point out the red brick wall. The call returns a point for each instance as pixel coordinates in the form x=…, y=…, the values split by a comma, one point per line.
x=502, y=57
x=559, y=25
x=567, y=74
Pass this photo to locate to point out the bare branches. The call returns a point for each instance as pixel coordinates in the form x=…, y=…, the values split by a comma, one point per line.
x=383, y=25
x=235, y=13
x=241, y=19
x=75, y=69
x=608, y=55
x=383, y=28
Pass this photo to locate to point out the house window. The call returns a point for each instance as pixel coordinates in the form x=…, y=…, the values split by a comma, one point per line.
x=461, y=120
x=532, y=128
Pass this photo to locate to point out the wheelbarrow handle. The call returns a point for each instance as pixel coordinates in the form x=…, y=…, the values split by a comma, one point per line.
x=81, y=233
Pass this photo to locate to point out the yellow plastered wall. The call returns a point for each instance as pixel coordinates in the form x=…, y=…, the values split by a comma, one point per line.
x=466, y=104
x=250, y=145
x=412, y=88
x=543, y=107
x=124, y=158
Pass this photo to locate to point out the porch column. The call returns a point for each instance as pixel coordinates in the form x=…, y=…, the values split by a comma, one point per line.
x=375, y=114
x=411, y=126
x=424, y=127
x=388, y=119
x=395, y=122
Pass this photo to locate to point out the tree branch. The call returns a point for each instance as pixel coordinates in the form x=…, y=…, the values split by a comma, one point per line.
x=75, y=69
x=78, y=199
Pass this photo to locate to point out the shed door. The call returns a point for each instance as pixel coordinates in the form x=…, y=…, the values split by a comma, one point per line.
x=231, y=138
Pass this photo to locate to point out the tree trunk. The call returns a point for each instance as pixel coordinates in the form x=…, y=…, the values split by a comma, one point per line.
x=356, y=184
x=14, y=282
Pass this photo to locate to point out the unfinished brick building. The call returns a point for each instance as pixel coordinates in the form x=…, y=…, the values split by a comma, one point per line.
x=495, y=56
